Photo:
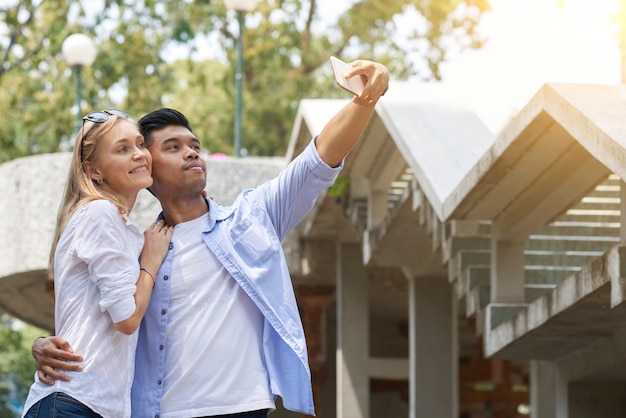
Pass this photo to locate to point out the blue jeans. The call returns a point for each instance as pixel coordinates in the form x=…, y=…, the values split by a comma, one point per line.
x=261, y=413
x=60, y=405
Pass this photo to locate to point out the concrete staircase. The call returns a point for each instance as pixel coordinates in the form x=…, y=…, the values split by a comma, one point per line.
x=556, y=251
x=581, y=235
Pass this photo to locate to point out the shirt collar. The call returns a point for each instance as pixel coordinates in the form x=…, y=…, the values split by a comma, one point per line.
x=217, y=213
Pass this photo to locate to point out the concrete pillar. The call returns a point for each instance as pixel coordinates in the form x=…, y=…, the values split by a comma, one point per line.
x=352, y=334
x=376, y=208
x=622, y=198
x=507, y=269
x=548, y=391
x=433, y=356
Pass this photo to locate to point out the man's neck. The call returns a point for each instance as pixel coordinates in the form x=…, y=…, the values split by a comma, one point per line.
x=178, y=211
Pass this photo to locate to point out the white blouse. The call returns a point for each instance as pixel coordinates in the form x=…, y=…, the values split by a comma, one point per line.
x=96, y=270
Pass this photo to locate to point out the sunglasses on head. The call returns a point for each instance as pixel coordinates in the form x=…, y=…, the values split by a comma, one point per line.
x=103, y=116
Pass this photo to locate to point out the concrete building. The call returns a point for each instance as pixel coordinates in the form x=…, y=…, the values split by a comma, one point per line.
x=450, y=272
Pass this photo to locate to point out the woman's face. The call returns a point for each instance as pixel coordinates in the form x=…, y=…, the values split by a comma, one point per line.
x=122, y=161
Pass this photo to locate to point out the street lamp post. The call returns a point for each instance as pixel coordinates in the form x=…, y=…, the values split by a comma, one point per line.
x=240, y=6
x=79, y=51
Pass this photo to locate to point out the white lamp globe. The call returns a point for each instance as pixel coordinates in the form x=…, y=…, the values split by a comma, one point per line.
x=243, y=5
x=79, y=49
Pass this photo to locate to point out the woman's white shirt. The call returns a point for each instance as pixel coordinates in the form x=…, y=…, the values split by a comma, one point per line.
x=96, y=270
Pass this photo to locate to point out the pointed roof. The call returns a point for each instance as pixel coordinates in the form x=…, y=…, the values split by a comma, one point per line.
x=560, y=145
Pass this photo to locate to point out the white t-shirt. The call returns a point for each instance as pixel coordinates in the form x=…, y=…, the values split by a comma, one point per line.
x=96, y=270
x=227, y=338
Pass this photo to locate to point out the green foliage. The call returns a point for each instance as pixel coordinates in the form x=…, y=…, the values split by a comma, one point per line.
x=17, y=366
x=145, y=61
x=198, y=94
x=340, y=187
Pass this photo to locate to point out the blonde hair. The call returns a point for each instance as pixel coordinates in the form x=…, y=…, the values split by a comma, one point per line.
x=80, y=188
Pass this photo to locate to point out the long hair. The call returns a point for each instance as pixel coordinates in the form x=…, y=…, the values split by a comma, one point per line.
x=80, y=188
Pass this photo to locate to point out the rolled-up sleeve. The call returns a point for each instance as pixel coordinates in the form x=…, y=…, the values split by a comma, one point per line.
x=102, y=242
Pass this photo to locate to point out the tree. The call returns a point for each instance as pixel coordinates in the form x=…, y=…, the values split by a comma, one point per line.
x=286, y=48
x=287, y=58
x=29, y=33
x=17, y=366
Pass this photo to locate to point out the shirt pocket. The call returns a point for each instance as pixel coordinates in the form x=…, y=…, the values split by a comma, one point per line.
x=252, y=241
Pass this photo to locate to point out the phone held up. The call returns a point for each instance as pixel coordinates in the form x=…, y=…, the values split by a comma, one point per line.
x=353, y=85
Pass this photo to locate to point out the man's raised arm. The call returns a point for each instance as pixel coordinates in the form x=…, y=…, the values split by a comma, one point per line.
x=344, y=129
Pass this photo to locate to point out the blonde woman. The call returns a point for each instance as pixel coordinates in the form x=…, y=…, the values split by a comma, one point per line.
x=103, y=269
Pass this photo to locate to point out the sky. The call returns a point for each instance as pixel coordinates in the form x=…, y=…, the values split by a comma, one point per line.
x=532, y=42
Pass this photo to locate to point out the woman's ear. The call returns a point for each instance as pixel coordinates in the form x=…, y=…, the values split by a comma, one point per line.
x=91, y=170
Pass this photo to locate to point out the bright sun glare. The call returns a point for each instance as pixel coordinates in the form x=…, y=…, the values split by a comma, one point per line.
x=532, y=42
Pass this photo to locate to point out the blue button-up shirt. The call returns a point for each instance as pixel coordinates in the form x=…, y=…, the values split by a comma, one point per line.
x=246, y=238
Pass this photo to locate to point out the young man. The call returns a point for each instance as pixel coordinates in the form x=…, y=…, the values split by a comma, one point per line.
x=222, y=334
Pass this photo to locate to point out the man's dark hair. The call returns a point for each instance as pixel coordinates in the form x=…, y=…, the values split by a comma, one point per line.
x=160, y=119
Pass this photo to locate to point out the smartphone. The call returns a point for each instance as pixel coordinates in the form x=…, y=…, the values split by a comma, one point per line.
x=353, y=85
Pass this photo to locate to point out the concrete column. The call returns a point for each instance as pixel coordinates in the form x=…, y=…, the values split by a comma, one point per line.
x=433, y=356
x=548, y=391
x=622, y=198
x=376, y=208
x=507, y=269
x=352, y=334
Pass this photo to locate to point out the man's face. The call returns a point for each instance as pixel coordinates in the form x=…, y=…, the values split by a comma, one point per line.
x=178, y=167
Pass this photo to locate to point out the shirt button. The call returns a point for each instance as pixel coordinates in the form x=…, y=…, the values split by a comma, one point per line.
x=161, y=347
x=171, y=246
x=166, y=277
x=156, y=416
x=163, y=311
x=159, y=382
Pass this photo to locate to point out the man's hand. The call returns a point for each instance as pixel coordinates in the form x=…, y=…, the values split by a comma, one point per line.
x=375, y=79
x=52, y=353
x=344, y=129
